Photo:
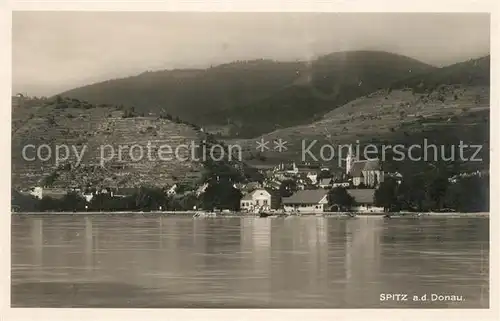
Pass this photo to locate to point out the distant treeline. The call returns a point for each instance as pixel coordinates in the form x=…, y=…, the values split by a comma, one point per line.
x=416, y=193
x=435, y=192
x=221, y=196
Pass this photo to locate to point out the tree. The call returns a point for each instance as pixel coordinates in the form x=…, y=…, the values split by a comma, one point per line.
x=106, y=202
x=412, y=193
x=48, y=203
x=436, y=191
x=361, y=185
x=287, y=188
x=150, y=198
x=324, y=174
x=221, y=195
x=185, y=202
x=24, y=203
x=340, y=197
x=386, y=195
x=72, y=201
x=469, y=194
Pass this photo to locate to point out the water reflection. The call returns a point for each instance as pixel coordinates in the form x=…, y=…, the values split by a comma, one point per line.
x=296, y=262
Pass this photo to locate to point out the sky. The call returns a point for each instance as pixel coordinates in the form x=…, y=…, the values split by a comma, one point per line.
x=57, y=51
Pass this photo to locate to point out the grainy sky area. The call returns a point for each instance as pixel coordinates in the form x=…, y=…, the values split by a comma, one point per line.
x=57, y=51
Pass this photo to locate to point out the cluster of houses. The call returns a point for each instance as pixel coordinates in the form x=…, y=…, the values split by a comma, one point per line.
x=313, y=181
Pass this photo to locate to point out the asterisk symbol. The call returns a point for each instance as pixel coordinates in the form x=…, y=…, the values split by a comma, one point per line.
x=280, y=145
x=262, y=145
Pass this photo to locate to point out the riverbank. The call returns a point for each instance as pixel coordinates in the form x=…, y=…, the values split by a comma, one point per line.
x=242, y=214
x=121, y=213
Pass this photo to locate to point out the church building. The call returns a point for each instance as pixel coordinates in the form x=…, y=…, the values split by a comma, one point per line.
x=364, y=172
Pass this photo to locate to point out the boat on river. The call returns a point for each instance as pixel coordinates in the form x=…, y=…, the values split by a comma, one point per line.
x=396, y=215
x=272, y=214
x=265, y=214
x=205, y=214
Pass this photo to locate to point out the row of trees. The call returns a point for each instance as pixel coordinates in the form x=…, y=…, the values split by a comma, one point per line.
x=220, y=195
x=467, y=194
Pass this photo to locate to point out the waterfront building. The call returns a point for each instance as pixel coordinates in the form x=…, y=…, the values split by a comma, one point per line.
x=307, y=201
x=259, y=199
x=364, y=201
x=41, y=192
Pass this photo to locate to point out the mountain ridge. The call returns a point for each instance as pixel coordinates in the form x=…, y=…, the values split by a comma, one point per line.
x=445, y=106
x=233, y=93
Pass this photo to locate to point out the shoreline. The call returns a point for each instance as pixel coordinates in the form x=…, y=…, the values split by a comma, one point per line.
x=242, y=214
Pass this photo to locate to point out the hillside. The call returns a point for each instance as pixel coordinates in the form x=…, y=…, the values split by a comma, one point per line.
x=474, y=72
x=457, y=109
x=76, y=123
x=253, y=97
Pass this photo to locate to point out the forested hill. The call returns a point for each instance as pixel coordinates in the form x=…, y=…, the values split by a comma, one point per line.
x=444, y=107
x=253, y=97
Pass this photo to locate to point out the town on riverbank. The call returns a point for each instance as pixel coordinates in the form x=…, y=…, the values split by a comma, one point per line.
x=362, y=186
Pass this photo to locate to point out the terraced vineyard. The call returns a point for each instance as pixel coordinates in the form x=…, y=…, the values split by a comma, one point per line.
x=91, y=128
x=385, y=115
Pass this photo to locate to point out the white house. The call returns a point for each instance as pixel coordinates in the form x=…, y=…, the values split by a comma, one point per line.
x=306, y=201
x=259, y=199
x=172, y=190
x=200, y=190
x=313, y=176
x=37, y=192
x=88, y=196
x=40, y=192
x=364, y=200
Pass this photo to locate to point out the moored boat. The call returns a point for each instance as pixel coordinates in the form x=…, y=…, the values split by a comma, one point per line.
x=204, y=214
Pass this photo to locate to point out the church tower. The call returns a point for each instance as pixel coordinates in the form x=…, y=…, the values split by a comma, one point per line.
x=349, y=160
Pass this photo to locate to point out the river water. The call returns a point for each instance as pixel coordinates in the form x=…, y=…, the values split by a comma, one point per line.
x=296, y=262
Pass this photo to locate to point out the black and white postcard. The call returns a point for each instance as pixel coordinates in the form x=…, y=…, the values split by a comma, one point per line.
x=244, y=160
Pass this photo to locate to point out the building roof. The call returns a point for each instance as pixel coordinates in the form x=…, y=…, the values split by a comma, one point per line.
x=357, y=169
x=54, y=192
x=263, y=166
x=364, y=165
x=125, y=191
x=249, y=196
x=307, y=170
x=362, y=196
x=309, y=165
x=325, y=181
x=372, y=165
x=312, y=196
